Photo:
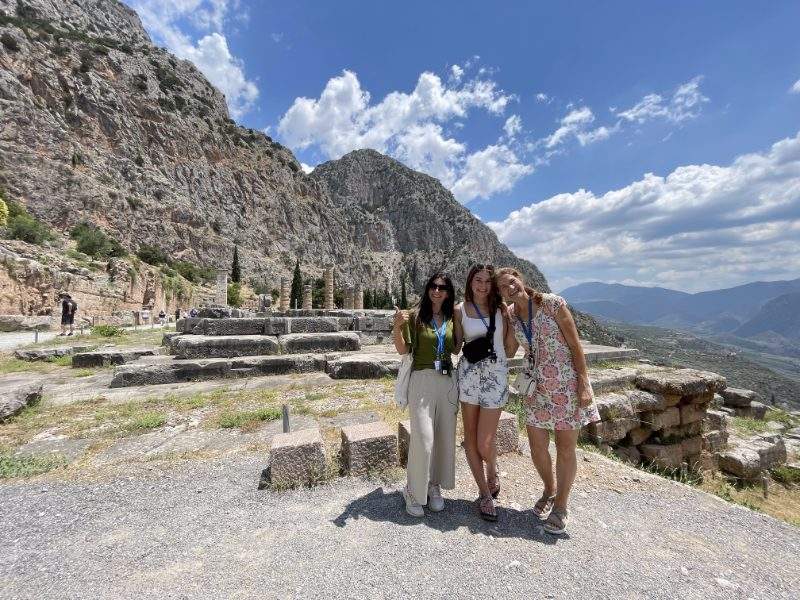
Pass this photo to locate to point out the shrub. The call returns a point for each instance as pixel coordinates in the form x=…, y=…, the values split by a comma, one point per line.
x=10, y=42
x=152, y=255
x=87, y=60
x=24, y=226
x=134, y=203
x=3, y=212
x=192, y=272
x=234, y=295
x=108, y=331
x=95, y=243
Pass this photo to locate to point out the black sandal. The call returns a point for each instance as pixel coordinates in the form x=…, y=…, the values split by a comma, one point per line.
x=487, y=509
x=494, y=490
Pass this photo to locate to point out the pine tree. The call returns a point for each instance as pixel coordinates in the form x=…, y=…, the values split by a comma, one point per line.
x=236, y=271
x=403, y=297
x=296, y=295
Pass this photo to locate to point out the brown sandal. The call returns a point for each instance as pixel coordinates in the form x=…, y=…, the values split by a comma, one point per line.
x=556, y=523
x=544, y=506
x=487, y=509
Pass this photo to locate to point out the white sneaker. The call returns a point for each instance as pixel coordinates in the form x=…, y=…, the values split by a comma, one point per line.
x=435, y=500
x=412, y=506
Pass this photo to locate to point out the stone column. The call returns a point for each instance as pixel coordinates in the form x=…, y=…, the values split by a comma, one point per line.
x=221, y=294
x=358, y=300
x=307, y=296
x=328, y=275
x=284, y=305
x=349, y=298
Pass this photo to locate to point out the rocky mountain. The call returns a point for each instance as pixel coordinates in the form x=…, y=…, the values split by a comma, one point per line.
x=779, y=316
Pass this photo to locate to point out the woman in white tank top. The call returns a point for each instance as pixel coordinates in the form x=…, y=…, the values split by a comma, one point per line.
x=482, y=381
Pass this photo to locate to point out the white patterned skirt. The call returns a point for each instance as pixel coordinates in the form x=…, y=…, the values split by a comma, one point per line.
x=484, y=383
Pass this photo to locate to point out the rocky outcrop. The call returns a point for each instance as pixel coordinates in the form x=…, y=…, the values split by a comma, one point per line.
x=14, y=399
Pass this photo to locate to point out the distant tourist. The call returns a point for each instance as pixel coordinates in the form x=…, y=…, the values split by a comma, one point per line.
x=556, y=387
x=427, y=332
x=162, y=317
x=68, y=309
x=193, y=313
x=177, y=314
x=482, y=323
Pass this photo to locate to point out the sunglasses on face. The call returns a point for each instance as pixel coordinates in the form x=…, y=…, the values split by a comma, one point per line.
x=437, y=288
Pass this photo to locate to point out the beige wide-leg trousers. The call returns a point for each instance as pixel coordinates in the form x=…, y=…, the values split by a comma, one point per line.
x=433, y=404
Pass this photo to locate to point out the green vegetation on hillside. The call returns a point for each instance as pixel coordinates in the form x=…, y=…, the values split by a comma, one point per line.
x=93, y=242
x=21, y=225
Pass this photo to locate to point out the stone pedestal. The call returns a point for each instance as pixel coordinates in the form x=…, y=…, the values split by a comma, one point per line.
x=221, y=291
x=349, y=300
x=307, y=297
x=284, y=301
x=358, y=297
x=297, y=458
x=368, y=448
x=328, y=276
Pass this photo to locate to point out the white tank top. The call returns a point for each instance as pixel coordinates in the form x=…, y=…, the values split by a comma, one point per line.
x=474, y=328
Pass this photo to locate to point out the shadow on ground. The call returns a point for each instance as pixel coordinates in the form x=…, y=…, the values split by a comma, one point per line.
x=378, y=505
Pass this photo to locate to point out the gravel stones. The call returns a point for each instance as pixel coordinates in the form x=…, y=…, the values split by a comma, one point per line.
x=507, y=433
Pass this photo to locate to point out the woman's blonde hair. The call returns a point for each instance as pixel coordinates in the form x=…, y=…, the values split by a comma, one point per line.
x=537, y=296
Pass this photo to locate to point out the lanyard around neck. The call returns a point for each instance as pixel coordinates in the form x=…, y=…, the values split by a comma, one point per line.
x=440, y=332
x=528, y=331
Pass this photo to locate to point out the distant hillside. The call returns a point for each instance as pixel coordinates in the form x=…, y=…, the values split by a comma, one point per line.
x=717, y=310
x=779, y=316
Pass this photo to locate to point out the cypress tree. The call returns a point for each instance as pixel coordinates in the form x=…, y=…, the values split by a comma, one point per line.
x=403, y=297
x=236, y=271
x=296, y=295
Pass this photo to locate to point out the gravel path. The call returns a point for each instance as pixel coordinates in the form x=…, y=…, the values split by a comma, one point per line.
x=200, y=529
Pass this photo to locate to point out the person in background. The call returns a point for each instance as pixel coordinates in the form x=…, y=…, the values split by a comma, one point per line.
x=427, y=333
x=177, y=314
x=193, y=312
x=162, y=317
x=67, y=313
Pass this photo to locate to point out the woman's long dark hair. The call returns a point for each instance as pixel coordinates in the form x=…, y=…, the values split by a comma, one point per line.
x=495, y=301
x=425, y=307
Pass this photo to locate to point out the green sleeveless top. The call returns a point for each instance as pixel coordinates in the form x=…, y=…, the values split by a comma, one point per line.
x=423, y=343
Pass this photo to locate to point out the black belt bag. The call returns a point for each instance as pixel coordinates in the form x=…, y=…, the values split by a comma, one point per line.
x=483, y=347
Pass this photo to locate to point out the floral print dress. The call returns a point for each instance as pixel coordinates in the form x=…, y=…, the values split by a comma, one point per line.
x=554, y=403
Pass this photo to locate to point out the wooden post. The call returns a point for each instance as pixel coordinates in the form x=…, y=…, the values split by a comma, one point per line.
x=765, y=484
x=36, y=335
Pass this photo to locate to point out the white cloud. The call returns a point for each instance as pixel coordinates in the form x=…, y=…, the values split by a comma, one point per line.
x=276, y=37
x=700, y=227
x=544, y=98
x=795, y=89
x=576, y=124
x=456, y=73
x=686, y=103
x=210, y=53
x=407, y=126
x=306, y=168
x=513, y=126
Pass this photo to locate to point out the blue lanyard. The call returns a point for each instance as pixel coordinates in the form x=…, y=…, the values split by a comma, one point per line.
x=528, y=331
x=478, y=310
x=440, y=332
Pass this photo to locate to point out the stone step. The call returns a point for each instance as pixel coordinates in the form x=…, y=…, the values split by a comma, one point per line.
x=111, y=356
x=180, y=371
x=229, y=346
x=282, y=325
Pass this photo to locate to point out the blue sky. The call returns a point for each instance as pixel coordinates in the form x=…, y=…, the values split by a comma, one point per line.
x=545, y=119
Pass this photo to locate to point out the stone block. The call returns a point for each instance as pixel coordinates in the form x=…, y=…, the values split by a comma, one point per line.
x=692, y=413
x=231, y=327
x=758, y=410
x=704, y=398
x=692, y=446
x=714, y=441
x=638, y=435
x=368, y=448
x=717, y=401
x=38, y=354
x=294, y=343
x=749, y=458
x=209, y=346
x=14, y=399
x=403, y=440
x=671, y=400
x=680, y=382
x=727, y=410
x=611, y=432
x=666, y=456
x=187, y=325
x=629, y=454
x=739, y=397
x=642, y=401
x=614, y=405
x=715, y=420
x=297, y=458
x=362, y=367
x=313, y=325
x=106, y=358
x=659, y=420
x=507, y=433
x=372, y=323
x=678, y=432
x=168, y=338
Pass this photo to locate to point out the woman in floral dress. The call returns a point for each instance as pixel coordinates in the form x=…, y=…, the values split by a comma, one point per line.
x=558, y=394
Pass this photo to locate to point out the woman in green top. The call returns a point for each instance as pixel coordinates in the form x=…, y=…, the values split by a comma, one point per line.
x=432, y=395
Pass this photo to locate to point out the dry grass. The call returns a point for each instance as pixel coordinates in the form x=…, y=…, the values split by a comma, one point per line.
x=783, y=501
